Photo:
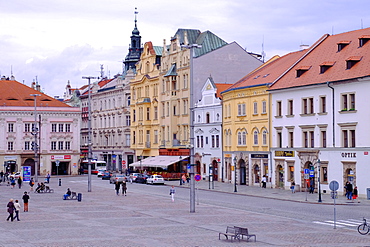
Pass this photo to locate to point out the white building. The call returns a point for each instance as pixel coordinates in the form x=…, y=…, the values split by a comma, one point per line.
x=320, y=115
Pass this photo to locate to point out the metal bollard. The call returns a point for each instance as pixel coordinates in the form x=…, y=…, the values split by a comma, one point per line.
x=60, y=182
x=79, y=197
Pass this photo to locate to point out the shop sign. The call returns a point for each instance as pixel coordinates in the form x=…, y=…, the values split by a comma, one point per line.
x=348, y=155
x=284, y=153
x=61, y=157
x=260, y=156
x=10, y=157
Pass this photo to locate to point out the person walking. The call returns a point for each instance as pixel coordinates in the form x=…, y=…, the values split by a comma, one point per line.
x=292, y=187
x=47, y=178
x=31, y=183
x=264, y=181
x=25, y=199
x=19, y=182
x=349, y=191
x=172, y=193
x=12, y=182
x=117, y=185
x=124, y=188
x=17, y=208
x=10, y=206
x=355, y=194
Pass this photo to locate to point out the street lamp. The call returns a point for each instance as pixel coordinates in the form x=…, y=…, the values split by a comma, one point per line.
x=319, y=182
x=34, y=132
x=235, y=189
x=192, y=181
x=89, y=133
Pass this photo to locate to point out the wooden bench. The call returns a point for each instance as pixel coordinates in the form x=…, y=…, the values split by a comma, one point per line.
x=244, y=232
x=231, y=232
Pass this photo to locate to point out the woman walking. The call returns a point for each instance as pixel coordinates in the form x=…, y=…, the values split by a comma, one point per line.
x=10, y=210
x=117, y=185
x=172, y=193
x=124, y=188
x=17, y=208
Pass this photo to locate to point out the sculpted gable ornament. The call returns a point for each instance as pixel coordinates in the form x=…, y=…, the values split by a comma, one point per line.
x=214, y=131
x=199, y=131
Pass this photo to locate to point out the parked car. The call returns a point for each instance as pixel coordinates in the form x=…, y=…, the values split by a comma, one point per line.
x=106, y=175
x=133, y=176
x=15, y=175
x=117, y=177
x=155, y=179
x=141, y=178
x=100, y=173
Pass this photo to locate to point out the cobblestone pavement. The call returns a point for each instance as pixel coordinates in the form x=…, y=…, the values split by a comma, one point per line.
x=138, y=219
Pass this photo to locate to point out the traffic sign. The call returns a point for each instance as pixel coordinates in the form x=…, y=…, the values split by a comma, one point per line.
x=197, y=177
x=57, y=162
x=306, y=176
x=123, y=162
x=334, y=185
x=306, y=171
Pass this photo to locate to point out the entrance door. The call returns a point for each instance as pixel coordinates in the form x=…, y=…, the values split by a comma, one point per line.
x=62, y=169
x=242, y=172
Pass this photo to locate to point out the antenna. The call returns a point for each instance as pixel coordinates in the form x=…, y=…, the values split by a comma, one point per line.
x=102, y=71
x=11, y=70
x=362, y=24
x=136, y=12
x=263, y=49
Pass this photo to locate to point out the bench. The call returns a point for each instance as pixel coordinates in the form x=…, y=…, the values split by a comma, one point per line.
x=231, y=232
x=73, y=196
x=244, y=232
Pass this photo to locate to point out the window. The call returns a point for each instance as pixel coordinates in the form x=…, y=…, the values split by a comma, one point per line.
x=264, y=137
x=217, y=141
x=349, y=138
x=255, y=108
x=348, y=102
x=60, y=145
x=68, y=127
x=68, y=145
x=213, y=141
x=279, y=139
x=352, y=61
x=155, y=136
x=174, y=110
x=242, y=138
x=291, y=138
x=307, y=106
x=10, y=127
x=255, y=137
x=201, y=142
x=10, y=146
x=207, y=118
x=61, y=128
x=27, y=127
x=147, y=113
x=155, y=112
x=134, y=115
x=198, y=142
x=264, y=110
x=308, y=138
x=323, y=104
x=127, y=137
x=241, y=110
x=290, y=107
x=128, y=120
x=324, y=174
x=278, y=109
x=168, y=109
x=323, y=138
x=26, y=145
x=53, y=145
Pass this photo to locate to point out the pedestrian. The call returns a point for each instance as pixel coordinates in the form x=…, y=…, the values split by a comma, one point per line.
x=183, y=177
x=312, y=186
x=12, y=182
x=67, y=194
x=31, y=183
x=10, y=206
x=25, y=199
x=47, y=178
x=264, y=181
x=117, y=185
x=187, y=178
x=349, y=191
x=17, y=208
x=2, y=176
x=292, y=186
x=124, y=188
x=172, y=193
x=20, y=182
x=355, y=194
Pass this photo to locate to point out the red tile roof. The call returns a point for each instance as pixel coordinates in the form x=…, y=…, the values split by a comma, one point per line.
x=13, y=93
x=221, y=87
x=326, y=49
x=269, y=71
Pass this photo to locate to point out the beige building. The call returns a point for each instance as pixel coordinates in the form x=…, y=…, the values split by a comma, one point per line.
x=145, y=103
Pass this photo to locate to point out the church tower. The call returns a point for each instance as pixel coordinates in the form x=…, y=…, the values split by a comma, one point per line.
x=135, y=49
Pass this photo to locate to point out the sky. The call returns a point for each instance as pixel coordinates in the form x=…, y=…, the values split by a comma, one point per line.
x=56, y=41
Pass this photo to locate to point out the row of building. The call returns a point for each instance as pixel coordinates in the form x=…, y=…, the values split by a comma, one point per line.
x=296, y=118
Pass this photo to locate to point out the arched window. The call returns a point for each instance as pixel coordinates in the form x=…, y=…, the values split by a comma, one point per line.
x=198, y=118
x=255, y=137
x=264, y=137
x=239, y=138
x=217, y=117
x=244, y=138
x=207, y=118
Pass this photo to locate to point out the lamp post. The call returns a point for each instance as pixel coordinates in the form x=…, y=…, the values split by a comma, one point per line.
x=210, y=179
x=192, y=181
x=34, y=132
x=235, y=189
x=319, y=177
x=89, y=133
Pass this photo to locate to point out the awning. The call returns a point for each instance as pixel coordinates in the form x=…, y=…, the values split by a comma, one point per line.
x=159, y=161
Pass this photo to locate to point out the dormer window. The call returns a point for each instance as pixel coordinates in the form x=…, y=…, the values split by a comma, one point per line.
x=301, y=70
x=363, y=40
x=342, y=44
x=325, y=66
x=351, y=61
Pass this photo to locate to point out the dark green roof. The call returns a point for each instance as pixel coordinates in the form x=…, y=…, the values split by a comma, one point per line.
x=171, y=71
x=158, y=50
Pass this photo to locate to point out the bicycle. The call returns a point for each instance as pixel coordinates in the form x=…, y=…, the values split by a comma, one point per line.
x=363, y=228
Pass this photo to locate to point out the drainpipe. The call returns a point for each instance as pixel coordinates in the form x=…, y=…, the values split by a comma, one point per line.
x=333, y=115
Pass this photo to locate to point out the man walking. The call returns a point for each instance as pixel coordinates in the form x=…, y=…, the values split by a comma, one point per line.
x=25, y=199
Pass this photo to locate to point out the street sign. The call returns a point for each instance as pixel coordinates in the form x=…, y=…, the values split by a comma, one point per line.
x=312, y=174
x=306, y=176
x=57, y=162
x=334, y=185
x=123, y=162
x=306, y=171
x=197, y=177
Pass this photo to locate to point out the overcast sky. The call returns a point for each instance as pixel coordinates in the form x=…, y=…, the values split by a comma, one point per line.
x=61, y=40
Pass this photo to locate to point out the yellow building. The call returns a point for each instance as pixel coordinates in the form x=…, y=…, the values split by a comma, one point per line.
x=145, y=104
x=247, y=121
